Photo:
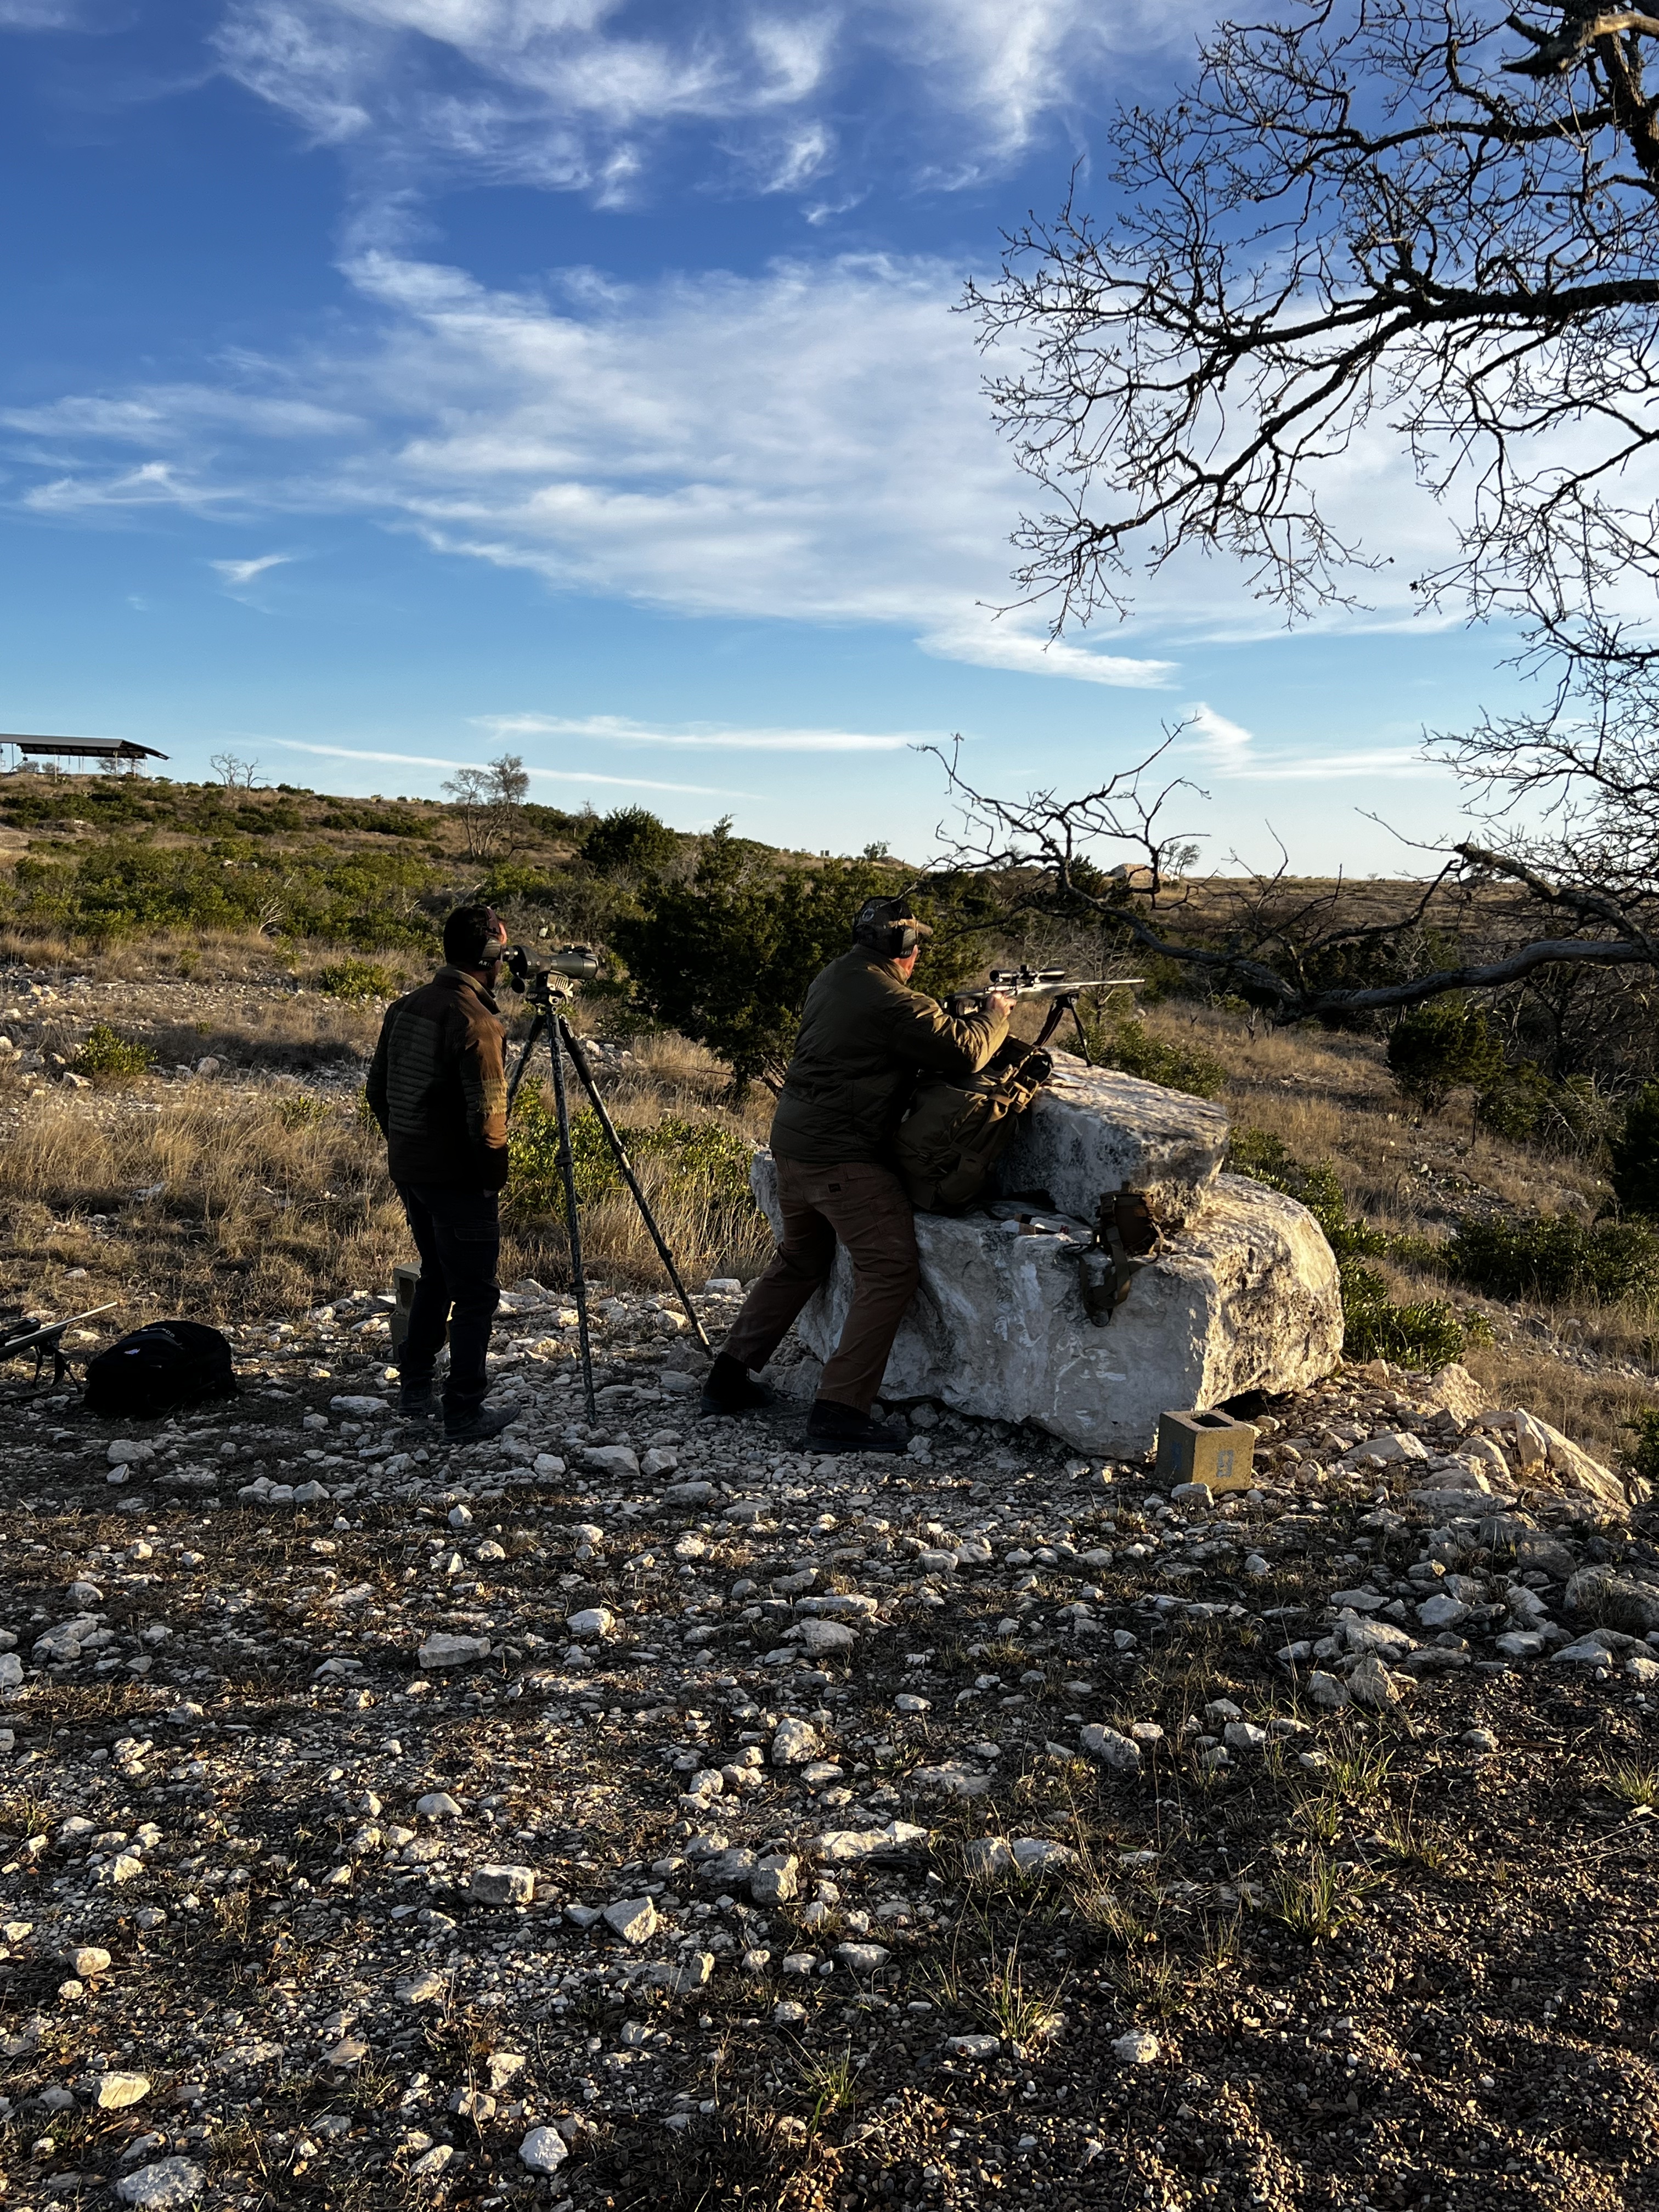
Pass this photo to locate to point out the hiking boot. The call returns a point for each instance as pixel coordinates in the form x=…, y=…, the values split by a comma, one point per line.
x=477, y=1427
x=729, y=1388
x=415, y=1401
x=832, y=1427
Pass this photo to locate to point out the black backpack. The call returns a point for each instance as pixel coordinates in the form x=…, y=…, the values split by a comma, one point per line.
x=159, y=1368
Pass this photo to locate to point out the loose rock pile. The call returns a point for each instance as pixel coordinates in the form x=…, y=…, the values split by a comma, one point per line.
x=593, y=1816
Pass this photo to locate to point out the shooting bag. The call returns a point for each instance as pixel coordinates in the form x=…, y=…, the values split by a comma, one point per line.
x=158, y=1369
x=957, y=1130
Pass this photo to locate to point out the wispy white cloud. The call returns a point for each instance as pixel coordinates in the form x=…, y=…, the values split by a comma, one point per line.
x=41, y=15
x=237, y=573
x=543, y=775
x=582, y=95
x=617, y=729
x=808, y=444
x=992, y=641
x=1380, y=761
x=1226, y=744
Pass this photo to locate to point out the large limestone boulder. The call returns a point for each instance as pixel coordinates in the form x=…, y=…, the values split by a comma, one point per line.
x=1244, y=1296
x=1092, y=1130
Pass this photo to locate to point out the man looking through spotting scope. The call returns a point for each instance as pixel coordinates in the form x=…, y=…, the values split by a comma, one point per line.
x=865, y=1038
x=438, y=1089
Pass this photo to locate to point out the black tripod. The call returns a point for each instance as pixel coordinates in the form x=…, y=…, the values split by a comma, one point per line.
x=548, y=992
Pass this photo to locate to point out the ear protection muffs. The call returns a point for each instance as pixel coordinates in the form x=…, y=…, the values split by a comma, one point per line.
x=888, y=938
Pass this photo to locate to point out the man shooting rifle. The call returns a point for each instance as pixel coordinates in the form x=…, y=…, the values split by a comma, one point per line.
x=866, y=1038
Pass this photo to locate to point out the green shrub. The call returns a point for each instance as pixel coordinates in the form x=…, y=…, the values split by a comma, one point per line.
x=1518, y=1104
x=1524, y=1105
x=109, y=1060
x=1642, y=1457
x=302, y=1108
x=1423, y=1333
x=357, y=979
x=630, y=840
x=727, y=957
x=1555, y=1257
x=705, y=1164
x=1635, y=1150
x=1441, y=1046
x=1263, y=1157
x=1129, y=1045
x=124, y=886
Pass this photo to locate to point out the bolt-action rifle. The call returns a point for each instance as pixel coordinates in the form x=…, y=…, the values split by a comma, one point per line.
x=1061, y=990
x=22, y=1333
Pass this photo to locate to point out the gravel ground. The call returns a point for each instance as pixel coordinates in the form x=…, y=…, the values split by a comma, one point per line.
x=654, y=1815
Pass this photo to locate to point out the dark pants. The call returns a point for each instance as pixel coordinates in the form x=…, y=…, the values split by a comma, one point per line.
x=867, y=1209
x=458, y=1235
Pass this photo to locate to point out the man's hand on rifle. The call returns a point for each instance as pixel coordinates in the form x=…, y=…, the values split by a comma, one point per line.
x=998, y=1004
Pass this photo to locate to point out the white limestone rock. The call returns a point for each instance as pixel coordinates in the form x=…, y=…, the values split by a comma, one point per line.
x=1246, y=1298
x=1093, y=1130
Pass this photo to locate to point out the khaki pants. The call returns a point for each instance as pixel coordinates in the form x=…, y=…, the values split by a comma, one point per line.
x=866, y=1209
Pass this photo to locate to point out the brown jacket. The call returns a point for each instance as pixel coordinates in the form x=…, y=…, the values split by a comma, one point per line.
x=438, y=1085
x=865, y=1038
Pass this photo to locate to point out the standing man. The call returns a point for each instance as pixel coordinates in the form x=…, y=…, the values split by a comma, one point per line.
x=438, y=1089
x=865, y=1039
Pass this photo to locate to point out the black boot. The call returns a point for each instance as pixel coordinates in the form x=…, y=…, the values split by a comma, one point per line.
x=474, y=1424
x=415, y=1398
x=833, y=1427
x=729, y=1388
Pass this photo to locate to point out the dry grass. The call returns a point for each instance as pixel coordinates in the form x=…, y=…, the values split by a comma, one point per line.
x=246, y=1205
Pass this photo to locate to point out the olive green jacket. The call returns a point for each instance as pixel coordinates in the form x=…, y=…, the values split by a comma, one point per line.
x=865, y=1039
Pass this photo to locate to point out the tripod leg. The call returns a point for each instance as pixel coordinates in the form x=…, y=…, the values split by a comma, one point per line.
x=537, y=1029
x=568, y=1172
x=579, y=1061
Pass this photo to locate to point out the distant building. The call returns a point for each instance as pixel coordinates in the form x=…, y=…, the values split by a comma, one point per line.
x=105, y=752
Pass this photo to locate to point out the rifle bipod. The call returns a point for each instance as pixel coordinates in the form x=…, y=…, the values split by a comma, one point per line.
x=551, y=1023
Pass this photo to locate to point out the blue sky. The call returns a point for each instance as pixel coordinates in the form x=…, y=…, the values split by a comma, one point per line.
x=390, y=380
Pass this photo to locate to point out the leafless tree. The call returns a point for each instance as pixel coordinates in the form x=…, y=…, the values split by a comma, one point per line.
x=490, y=801
x=235, y=773
x=1294, y=953
x=1430, y=216
x=1418, y=218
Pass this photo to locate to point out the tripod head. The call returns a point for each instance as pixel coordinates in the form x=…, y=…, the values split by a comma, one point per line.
x=570, y=964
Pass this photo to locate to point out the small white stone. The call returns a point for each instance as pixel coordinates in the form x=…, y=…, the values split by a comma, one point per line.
x=439, y=1649
x=617, y=1461
x=543, y=2150
x=972, y=2046
x=130, y=1451
x=1117, y=1752
x=422, y=1989
x=591, y=1620
x=795, y=1742
x=549, y=1463
x=436, y=1805
x=116, y=2091
x=633, y=1918
x=1137, y=2048
x=164, y=2187
x=502, y=1884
